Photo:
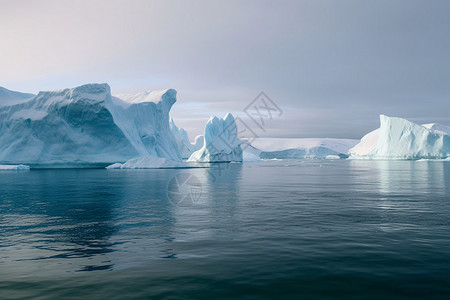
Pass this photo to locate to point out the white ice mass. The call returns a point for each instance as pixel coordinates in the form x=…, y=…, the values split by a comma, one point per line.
x=282, y=148
x=86, y=126
x=398, y=138
x=221, y=142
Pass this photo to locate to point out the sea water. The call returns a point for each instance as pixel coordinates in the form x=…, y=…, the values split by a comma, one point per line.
x=283, y=229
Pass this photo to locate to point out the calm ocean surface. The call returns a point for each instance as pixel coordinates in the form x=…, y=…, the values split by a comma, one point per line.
x=268, y=230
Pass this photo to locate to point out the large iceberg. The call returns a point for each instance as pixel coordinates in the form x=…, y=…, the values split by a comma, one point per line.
x=86, y=126
x=398, y=138
x=8, y=97
x=282, y=148
x=185, y=147
x=221, y=142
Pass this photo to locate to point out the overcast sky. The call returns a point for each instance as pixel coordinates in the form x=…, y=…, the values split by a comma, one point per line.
x=331, y=66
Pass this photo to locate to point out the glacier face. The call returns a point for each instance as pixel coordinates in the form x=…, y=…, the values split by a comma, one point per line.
x=85, y=126
x=8, y=97
x=398, y=138
x=221, y=142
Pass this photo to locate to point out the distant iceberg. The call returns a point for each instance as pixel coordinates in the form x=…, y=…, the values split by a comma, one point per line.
x=284, y=148
x=86, y=126
x=398, y=138
x=221, y=142
x=14, y=167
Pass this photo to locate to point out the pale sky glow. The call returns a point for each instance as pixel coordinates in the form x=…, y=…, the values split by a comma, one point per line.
x=332, y=66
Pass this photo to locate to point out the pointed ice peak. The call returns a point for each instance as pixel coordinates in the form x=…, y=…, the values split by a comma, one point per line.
x=229, y=118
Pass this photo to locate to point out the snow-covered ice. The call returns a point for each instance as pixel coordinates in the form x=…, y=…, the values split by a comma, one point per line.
x=221, y=142
x=398, y=138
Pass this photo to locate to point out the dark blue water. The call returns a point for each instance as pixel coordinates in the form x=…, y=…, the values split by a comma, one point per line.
x=276, y=229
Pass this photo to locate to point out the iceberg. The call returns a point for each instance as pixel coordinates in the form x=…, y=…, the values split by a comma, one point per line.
x=8, y=97
x=398, y=138
x=14, y=167
x=283, y=148
x=221, y=142
x=185, y=147
x=86, y=127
